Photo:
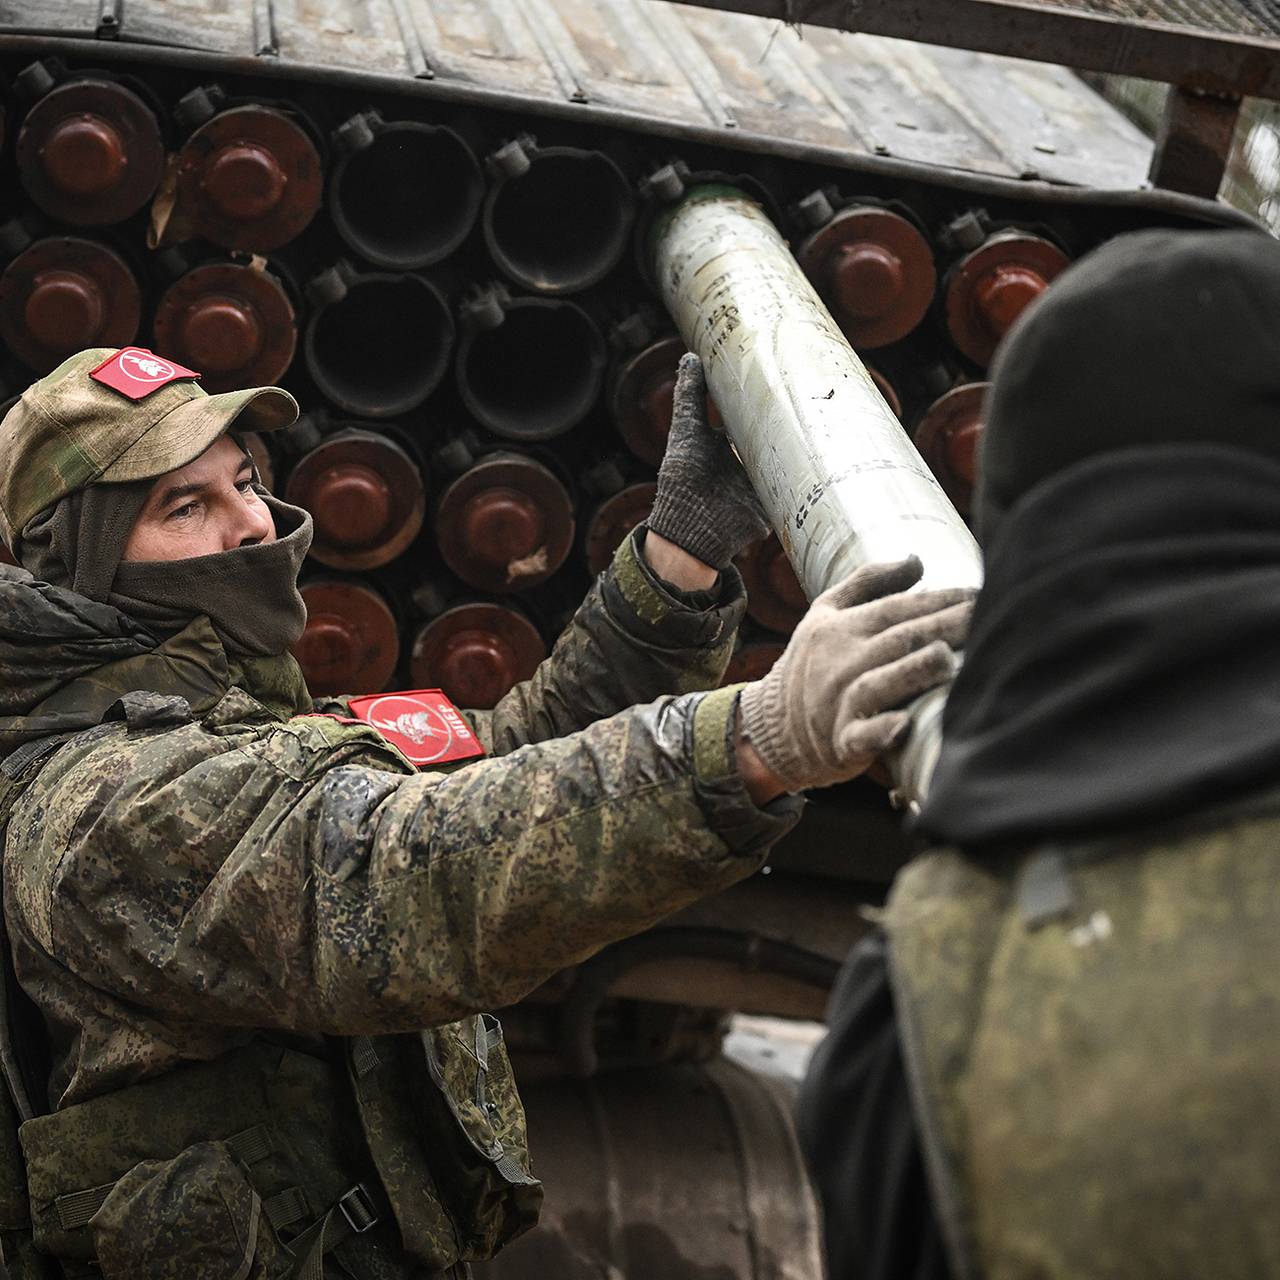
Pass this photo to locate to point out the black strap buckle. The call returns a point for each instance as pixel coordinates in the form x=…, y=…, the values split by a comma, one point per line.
x=356, y=1205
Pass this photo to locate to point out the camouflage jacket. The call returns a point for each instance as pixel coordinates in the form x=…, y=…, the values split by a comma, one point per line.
x=1090, y=1030
x=204, y=867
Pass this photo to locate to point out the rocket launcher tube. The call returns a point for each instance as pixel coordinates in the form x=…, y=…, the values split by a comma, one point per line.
x=839, y=479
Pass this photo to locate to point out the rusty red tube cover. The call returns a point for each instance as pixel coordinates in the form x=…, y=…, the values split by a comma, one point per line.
x=989, y=288
x=506, y=524
x=476, y=653
x=84, y=156
x=642, y=397
x=613, y=520
x=867, y=279
x=366, y=497
x=231, y=321
x=90, y=152
x=64, y=308
x=249, y=179
x=227, y=330
x=948, y=436
x=351, y=643
x=63, y=294
x=244, y=182
x=875, y=270
x=775, y=598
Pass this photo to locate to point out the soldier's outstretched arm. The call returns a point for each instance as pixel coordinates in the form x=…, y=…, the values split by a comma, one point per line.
x=299, y=875
x=295, y=879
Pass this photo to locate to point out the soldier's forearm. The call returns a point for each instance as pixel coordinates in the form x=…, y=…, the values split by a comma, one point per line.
x=480, y=885
x=761, y=782
x=675, y=566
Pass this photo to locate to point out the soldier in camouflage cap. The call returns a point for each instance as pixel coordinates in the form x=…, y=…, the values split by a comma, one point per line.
x=71, y=430
x=234, y=916
x=1072, y=1018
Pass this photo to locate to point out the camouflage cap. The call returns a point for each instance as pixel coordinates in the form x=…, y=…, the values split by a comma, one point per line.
x=69, y=431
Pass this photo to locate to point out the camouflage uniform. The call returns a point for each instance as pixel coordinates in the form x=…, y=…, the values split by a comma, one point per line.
x=212, y=866
x=1087, y=1029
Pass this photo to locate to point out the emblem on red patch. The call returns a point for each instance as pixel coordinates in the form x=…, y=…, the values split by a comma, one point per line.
x=136, y=372
x=422, y=723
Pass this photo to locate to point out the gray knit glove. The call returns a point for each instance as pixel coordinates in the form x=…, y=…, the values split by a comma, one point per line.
x=705, y=503
x=830, y=704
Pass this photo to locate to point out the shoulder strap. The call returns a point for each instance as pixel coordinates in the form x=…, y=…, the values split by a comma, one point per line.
x=20, y=767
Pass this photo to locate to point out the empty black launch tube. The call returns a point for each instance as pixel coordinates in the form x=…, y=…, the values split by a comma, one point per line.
x=528, y=368
x=404, y=194
x=556, y=219
x=378, y=343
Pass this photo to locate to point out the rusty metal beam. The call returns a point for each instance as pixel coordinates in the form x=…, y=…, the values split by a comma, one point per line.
x=1237, y=63
x=1194, y=140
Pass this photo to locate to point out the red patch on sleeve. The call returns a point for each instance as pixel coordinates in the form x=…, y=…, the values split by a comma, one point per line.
x=422, y=723
x=136, y=372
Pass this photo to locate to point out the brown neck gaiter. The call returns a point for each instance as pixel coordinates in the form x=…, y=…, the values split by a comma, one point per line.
x=250, y=594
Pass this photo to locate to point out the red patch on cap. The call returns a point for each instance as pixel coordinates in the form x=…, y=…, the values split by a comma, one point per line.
x=422, y=723
x=136, y=372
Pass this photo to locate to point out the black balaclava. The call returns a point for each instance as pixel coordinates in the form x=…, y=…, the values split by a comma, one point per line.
x=250, y=594
x=1122, y=664
x=1159, y=337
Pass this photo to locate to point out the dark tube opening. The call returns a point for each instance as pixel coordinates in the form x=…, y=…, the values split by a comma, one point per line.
x=383, y=348
x=564, y=224
x=535, y=375
x=410, y=198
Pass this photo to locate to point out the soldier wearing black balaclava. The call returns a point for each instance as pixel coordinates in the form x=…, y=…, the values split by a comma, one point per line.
x=1057, y=1059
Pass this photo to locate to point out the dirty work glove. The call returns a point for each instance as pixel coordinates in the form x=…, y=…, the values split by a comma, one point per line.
x=831, y=703
x=705, y=503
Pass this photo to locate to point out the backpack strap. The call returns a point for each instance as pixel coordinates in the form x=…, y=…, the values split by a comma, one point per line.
x=353, y=1213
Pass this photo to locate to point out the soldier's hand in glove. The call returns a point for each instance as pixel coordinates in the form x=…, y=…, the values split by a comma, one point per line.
x=705, y=504
x=833, y=702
